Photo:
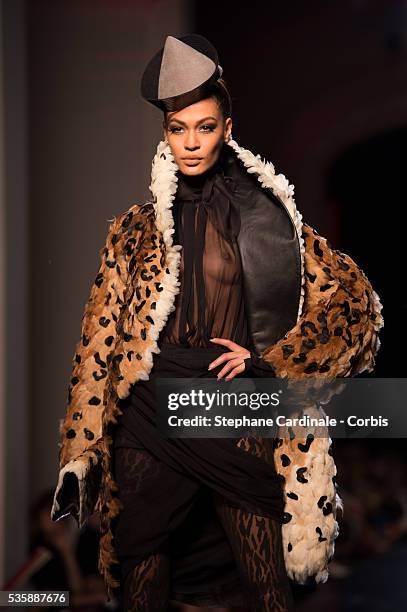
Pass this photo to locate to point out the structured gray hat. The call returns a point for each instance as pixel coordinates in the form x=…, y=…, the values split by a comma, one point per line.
x=181, y=73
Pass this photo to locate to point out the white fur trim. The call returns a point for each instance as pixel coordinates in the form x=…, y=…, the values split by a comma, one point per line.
x=163, y=188
x=309, y=555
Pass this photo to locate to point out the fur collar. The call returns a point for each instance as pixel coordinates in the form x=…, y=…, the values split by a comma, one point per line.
x=163, y=188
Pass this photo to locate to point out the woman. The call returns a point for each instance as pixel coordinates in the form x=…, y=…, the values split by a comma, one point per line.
x=254, y=292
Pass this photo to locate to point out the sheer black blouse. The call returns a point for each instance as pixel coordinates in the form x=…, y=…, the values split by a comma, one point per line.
x=210, y=303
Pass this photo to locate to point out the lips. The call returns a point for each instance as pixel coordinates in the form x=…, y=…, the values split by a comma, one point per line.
x=192, y=162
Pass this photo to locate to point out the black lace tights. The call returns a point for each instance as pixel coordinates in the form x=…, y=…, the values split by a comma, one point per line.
x=256, y=543
x=257, y=547
x=147, y=585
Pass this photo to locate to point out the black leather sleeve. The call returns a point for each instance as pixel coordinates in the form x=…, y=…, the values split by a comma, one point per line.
x=257, y=367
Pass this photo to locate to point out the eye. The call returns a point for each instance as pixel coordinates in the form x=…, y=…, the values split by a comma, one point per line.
x=205, y=128
x=209, y=128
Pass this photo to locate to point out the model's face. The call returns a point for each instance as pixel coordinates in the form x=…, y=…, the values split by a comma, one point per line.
x=196, y=135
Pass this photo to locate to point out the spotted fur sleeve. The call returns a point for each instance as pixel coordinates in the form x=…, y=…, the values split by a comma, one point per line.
x=338, y=332
x=81, y=440
x=336, y=336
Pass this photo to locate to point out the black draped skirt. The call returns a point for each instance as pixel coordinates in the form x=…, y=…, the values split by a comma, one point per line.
x=176, y=505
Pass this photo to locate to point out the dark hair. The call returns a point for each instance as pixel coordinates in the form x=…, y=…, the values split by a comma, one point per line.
x=222, y=96
x=220, y=92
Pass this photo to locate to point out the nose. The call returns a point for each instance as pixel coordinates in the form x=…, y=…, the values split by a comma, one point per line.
x=191, y=141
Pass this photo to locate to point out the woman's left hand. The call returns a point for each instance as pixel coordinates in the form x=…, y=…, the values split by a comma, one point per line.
x=235, y=358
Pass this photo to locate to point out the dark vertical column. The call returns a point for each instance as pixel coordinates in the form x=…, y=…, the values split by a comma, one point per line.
x=14, y=294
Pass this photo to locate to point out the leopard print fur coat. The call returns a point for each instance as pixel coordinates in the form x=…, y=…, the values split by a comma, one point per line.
x=336, y=334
